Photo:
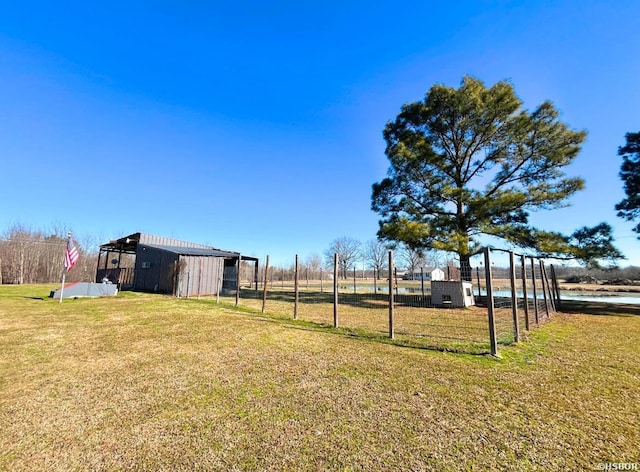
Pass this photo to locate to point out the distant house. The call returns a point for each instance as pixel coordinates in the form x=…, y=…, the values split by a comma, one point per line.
x=143, y=262
x=435, y=274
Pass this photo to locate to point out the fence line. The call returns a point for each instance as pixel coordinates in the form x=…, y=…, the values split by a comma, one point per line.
x=515, y=300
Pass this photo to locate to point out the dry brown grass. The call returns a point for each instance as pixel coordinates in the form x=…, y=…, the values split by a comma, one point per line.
x=144, y=382
x=458, y=329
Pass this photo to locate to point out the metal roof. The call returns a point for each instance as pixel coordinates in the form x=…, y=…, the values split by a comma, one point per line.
x=129, y=244
x=194, y=251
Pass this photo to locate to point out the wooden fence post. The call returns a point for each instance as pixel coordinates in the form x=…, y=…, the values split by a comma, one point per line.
x=219, y=275
x=535, y=292
x=335, y=290
x=556, y=288
x=264, y=286
x=544, y=291
x=395, y=276
x=552, y=302
x=523, y=269
x=354, y=280
x=238, y=281
x=296, y=290
x=489, y=283
x=391, y=302
x=375, y=280
x=514, y=296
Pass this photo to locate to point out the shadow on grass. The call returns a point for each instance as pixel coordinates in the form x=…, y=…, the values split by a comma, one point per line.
x=469, y=348
x=359, y=300
x=599, y=308
x=450, y=344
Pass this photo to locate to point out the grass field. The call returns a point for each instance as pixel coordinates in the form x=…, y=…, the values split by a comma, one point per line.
x=147, y=382
x=416, y=322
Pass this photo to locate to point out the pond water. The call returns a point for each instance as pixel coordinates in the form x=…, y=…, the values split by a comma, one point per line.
x=587, y=296
x=384, y=288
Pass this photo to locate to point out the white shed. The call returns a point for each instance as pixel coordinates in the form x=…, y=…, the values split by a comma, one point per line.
x=437, y=274
x=452, y=293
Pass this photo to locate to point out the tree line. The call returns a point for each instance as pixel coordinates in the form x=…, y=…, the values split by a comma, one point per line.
x=374, y=255
x=30, y=256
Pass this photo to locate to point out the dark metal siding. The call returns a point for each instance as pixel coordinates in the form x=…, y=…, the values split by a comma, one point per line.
x=229, y=284
x=159, y=275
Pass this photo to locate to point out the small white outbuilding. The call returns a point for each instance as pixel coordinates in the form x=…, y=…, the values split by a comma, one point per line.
x=452, y=293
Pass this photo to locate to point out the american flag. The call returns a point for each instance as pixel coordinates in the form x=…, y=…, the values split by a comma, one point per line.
x=71, y=255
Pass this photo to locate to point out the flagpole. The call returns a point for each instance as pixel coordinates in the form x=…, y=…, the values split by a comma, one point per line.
x=64, y=273
x=65, y=269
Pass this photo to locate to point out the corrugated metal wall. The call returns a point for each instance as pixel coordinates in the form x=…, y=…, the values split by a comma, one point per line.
x=154, y=270
x=199, y=275
x=159, y=270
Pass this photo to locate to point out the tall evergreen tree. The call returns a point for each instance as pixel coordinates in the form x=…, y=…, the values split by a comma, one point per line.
x=629, y=208
x=471, y=161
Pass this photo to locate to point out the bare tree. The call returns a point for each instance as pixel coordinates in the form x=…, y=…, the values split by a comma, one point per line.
x=33, y=256
x=415, y=259
x=313, y=264
x=412, y=259
x=348, y=251
x=376, y=254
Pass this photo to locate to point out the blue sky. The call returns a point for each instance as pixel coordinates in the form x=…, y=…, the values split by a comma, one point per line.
x=257, y=126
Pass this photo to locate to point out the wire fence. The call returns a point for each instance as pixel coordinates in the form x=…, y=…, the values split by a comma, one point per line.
x=496, y=308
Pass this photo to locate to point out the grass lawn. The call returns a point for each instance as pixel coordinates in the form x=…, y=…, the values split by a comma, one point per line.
x=148, y=382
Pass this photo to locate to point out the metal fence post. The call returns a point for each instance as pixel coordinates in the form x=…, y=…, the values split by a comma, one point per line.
x=489, y=284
